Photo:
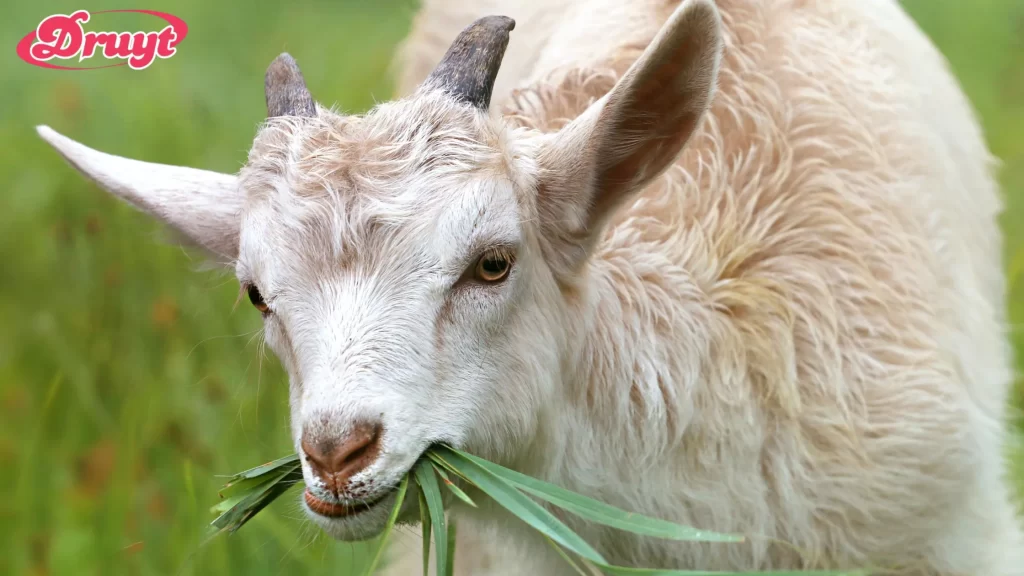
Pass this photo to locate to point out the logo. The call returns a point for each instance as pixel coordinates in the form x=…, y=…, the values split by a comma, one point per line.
x=62, y=37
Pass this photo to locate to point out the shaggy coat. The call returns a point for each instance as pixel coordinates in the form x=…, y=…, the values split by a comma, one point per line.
x=798, y=331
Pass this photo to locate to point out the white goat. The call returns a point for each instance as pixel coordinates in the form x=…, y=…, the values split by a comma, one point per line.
x=774, y=309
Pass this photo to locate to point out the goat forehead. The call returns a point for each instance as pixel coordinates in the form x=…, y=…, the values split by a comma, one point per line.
x=375, y=154
x=414, y=179
x=306, y=240
x=428, y=230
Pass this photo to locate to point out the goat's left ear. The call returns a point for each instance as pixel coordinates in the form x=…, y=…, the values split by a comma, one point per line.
x=630, y=136
x=203, y=206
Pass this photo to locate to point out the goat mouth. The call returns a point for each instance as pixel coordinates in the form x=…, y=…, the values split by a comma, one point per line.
x=337, y=510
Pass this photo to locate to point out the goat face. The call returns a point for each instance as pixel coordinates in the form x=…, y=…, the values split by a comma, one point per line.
x=401, y=288
x=412, y=265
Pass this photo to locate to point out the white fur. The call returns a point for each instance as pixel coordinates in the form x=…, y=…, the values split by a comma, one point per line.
x=793, y=330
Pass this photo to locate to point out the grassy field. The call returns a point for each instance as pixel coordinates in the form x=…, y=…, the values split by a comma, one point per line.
x=127, y=379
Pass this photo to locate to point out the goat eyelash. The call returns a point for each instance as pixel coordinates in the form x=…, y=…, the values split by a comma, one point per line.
x=243, y=289
x=503, y=252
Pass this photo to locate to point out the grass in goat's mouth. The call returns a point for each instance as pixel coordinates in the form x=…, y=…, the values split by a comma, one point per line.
x=248, y=492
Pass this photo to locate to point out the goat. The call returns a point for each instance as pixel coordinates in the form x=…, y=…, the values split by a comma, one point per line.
x=733, y=264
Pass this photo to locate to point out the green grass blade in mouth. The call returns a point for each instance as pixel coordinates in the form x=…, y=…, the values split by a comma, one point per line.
x=521, y=506
x=451, y=549
x=383, y=542
x=246, y=493
x=568, y=559
x=432, y=492
x=245, y=510
x=503, y=488
x=440, y=461
x=242, y=489
x=451, y=485
x=425, y=528
x=597, y=511
x=269, y=467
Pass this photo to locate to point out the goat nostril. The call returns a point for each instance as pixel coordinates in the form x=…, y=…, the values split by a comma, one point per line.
x=317, y=462
x=359, y=453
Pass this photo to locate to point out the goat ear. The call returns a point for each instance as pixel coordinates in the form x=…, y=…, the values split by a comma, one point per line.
x=204, y=206
x=631, y=135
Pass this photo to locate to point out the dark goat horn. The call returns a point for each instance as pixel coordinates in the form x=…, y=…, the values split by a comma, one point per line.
x=286, y=90
x=468, y=69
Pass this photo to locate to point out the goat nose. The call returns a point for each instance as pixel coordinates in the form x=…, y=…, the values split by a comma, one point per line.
x=336, y=460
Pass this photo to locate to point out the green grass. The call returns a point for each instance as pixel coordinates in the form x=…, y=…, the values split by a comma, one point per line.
x=249, y=492
x=127, y=379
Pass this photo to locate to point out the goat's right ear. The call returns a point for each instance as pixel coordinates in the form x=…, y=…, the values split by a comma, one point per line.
x=203, y=206
x=629, y=137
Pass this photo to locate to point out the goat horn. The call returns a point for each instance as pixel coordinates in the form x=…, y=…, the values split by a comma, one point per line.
x=468, y=69
x=286, y=90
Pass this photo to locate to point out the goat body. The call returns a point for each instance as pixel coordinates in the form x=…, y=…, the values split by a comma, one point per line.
x=797, y=332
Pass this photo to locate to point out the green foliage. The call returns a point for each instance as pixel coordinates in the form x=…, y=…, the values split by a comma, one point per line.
x=399, y=499
x=431, y=491
x=510, y=490
x=591, y=509
x=127, y=377
x=249, y=492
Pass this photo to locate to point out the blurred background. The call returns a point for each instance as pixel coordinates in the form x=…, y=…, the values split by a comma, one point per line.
x=128, y=380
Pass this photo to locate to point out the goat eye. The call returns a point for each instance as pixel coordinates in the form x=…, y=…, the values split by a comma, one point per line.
x=493, y=267
x=257, y=299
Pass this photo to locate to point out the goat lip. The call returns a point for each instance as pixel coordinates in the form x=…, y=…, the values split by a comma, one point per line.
x=334, y=510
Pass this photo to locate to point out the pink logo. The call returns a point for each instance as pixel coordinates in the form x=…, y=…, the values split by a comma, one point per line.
x=62, y=37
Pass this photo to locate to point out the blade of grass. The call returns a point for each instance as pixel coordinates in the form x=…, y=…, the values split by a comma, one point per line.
x=425, y=528
x=382, y=543
x=234, y=494
x=227, y=504
x=432, y=492
x=265, y=468
x=521, y=506
x=599, y=512
x=250, y=491
x=452, y=487
x=241, y=485
x=439, y=460
x=241, y=507
x=451, y=548
x=240, y=514
x=503, y=492
x=568, y=559
x=259, y=479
